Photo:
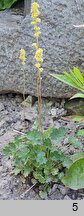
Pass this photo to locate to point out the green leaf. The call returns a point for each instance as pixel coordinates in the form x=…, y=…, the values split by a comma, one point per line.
x=72, y=77
x=27, y=170
x=65, y=79
x=67, y=162
x=41, y=159
x=48, y=179
x=78, y=118
x=34, y=136
x=78, y=95
x=49, y=189
x=77, y=156
x=6, y=4
x=20, y=140
x=57, y=134
x=47, y=143
x=47, y=133
x=36, y=125
x=17, y=170
x=54, y=171
x=38, y=176
x=43, y=194
x=34, y=181
x=60, y=175
x=48, y=165
x=7, y=150
x=80, y=132
x=74, y=177
x=79, y=75
x=46, y=171
x=73, y=141
x=23, y=154
x=55, y=156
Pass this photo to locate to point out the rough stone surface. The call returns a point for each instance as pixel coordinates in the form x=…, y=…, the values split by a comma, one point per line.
x=62, y=44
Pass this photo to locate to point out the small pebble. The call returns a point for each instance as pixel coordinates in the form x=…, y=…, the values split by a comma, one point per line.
x=67, y=197
x=63, y=190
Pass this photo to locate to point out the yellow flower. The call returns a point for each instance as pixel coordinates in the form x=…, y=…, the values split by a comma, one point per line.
x=34, y=6
x=36, y=35
x=39, y=51
x=38, y=20
x=35, y=45
x=37, y=65
x=39, y=55
x=34, y=10
x=40, y=69
x=33, y=23
x=22, y=56
x=36, y=28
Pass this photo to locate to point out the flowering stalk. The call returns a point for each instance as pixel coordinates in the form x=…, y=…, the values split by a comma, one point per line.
x=23, y=60
x=38, y=56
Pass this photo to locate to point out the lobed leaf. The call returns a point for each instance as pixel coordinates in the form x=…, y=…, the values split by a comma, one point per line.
x=41, y=159
x=67, y=162
x=39, y=177
x=43, y=194
x=75, y=142
x=35, y=137
x=57, y=134
x=27, y=170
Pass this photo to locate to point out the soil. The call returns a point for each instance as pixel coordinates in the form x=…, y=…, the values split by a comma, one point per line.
x=14, y=119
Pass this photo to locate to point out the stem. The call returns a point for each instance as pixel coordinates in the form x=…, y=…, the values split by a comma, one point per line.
x=24, y=78
x=39, y=101
x=39, y=97
x=24, y=84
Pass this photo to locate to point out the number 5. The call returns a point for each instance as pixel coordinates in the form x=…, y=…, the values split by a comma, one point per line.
x=75, y=206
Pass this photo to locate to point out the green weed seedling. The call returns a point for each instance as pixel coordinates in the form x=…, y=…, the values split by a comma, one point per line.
x=35, y=155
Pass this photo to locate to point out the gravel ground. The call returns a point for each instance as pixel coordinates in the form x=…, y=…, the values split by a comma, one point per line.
x=12, y=116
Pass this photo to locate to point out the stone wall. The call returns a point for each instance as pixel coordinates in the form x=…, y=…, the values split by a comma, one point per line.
x=63, y=47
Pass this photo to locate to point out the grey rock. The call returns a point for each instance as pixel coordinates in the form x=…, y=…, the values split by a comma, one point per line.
x=1, y=107
x=66, y=140
x=1, y=169
x=75, y=107
x=2, y=123
x=67, y=197
x=56, y=195
x=55, y=186
x=53, y=112
x=18, y=126
x=29, y=113
x=63, y=190
x=62, y=44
